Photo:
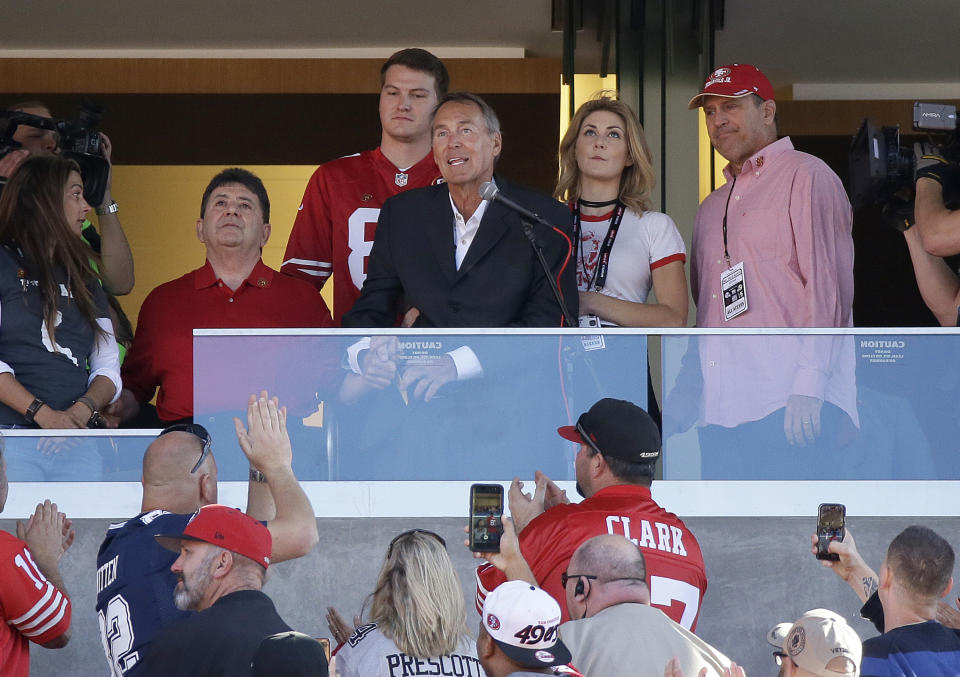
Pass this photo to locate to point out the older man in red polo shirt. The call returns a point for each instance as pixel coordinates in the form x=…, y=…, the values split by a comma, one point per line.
x=233, y=289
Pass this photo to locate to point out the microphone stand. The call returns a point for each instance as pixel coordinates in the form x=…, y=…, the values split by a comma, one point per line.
x=568, y=320
x=528, y=231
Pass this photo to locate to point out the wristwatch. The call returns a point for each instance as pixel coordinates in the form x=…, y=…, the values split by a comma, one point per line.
x=33, y=409
x=96, y=421
x=111, y=208
x=256, y=475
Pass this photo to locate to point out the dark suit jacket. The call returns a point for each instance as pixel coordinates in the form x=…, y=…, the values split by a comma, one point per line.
x=500, y=282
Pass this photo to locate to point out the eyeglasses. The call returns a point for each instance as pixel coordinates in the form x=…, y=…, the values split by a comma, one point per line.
x=425, y=532
x=778, y=656
x=197, y=431
x=564, y=577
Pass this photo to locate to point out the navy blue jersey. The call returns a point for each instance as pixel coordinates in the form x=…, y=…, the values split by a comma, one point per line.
x=135, y=587
x=919, y=650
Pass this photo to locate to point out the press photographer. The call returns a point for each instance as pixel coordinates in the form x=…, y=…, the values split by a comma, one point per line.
x=29, y=128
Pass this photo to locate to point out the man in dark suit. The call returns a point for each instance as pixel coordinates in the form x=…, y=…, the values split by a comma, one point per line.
x=455, y=260
x=459, y=260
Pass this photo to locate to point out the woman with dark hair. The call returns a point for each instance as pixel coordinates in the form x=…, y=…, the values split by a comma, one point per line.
x=417, y=612
x=58, y=359
x=606, y=175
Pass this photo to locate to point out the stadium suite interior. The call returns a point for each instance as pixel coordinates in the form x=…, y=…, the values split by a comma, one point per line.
x=281, y=87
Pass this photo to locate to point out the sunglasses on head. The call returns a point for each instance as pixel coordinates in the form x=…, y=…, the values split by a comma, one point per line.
x=586, y=438
x=197, y=431
x=415, y=531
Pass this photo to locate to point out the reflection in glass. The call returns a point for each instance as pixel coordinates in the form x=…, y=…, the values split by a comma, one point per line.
x=73, y=458
x=809, y=407
x=889, y=411
x=419, y=407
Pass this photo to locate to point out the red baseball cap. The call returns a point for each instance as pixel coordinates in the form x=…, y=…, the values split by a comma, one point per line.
x=228, y=528
x=734, y=81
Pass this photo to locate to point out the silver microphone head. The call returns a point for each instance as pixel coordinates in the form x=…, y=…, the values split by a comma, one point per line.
x=488, y=190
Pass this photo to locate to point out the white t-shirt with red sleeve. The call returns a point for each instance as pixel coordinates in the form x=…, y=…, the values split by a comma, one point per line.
x=643, y=244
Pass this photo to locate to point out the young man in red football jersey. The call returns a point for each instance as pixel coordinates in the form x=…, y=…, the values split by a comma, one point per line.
x=333, y=232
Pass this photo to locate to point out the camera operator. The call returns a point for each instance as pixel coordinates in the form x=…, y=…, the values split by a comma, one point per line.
x=116, y=267
x=939, y=227
x=32, y=140
x=939, y=285
x=937, y=234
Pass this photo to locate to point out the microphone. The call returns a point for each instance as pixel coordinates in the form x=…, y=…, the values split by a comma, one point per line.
x=489, y=192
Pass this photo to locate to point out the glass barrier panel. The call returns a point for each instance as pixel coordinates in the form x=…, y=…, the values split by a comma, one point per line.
x=415, y=406
x=772, y=406
x=75, y=455
x=808, y=407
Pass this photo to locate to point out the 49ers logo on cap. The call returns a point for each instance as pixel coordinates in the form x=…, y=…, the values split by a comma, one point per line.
x=493, y=621
x=797, y=641
x=718, y=77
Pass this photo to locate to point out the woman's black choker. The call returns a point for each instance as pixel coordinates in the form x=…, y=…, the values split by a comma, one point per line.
x=588, y=203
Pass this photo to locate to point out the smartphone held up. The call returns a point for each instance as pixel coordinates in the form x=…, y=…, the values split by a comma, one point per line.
x=830, y=527
x=486, y=517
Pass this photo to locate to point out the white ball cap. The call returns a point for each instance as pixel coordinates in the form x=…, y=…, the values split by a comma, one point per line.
x=524, y=622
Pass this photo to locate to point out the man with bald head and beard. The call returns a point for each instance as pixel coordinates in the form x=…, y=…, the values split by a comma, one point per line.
x=135, y=586
x=221, y=568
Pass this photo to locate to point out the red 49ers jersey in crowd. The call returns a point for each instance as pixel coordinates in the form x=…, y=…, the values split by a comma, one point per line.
x=675, y=570
x=333, y=232
x=33, y=609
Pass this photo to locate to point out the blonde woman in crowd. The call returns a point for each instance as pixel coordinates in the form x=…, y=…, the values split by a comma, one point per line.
x=417, y=613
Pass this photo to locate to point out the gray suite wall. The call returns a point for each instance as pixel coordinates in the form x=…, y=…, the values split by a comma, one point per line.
x=759, y=569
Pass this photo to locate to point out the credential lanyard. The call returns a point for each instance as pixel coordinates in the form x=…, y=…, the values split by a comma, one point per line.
x=726, y=254
x=600, y=274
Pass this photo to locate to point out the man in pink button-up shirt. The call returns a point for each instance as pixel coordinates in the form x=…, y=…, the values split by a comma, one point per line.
x=771, y=248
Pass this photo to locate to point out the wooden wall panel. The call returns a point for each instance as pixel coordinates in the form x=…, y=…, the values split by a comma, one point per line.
x=295, y=129
x=841, y=118
x=249, y=76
